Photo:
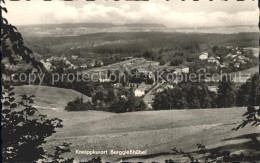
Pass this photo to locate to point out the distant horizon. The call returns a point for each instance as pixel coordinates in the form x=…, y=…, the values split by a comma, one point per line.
x=163, y=25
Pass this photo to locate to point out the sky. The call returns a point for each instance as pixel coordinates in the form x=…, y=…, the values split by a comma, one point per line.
x=172, y=13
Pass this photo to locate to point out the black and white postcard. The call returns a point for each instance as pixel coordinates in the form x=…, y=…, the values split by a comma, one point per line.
x=153, y=81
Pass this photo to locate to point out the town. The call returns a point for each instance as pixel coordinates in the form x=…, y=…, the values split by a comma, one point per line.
x=147, y=75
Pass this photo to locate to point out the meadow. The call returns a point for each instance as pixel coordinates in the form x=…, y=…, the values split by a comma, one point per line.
x=158, y=132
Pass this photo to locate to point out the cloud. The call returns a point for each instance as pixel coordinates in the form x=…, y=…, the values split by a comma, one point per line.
x=146, y=12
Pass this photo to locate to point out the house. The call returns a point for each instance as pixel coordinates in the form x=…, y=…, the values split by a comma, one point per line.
x=159, y=90
x=240, y=59
x=237, y=65
x=99, y=63
x=64, y=58
x=239, y=52
x=104, y=80
x=229, y=55
x=213, y=89
x=117, y=85
x=243, y=57
x=213, y=60
x=84, y=66
x=91, y=63
x=74, y=57
x=233, y=56
x=47, y=65
x=225, y=64
x=6, y=77
x=72, y=66
x=182, y=69
x=139, y=93
x=203, y=56
x=169, y=86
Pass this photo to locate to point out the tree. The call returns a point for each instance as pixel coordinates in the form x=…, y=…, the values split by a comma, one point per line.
x=118, y=105
x=226, y=95
x=170, y=99
x=248, y=93
x=134, y=103
x=78, y=105
x=176, y=61
x=193, y=98
x=24, y=130
x=205, y=98
x=12, y=43
x=147, y=54
x=254, y=91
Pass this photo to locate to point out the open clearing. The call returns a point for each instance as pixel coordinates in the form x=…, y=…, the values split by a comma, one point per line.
x=49, y=97
x=155, y=131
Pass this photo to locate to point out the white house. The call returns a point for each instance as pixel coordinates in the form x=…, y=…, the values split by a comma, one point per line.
x=182, y=69
x=139, y=93
x=239, y=52
x=74, y=57
x=237, y=65
x=46, y=64
x=203, y=56
x=84, y=66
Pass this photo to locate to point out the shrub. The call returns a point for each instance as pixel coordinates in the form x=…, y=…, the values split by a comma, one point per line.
x=23, y=129
x=78, y=105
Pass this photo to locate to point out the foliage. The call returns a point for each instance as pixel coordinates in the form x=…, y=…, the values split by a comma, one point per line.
x=122, y=100
x=64, y=148
x=59, y=150
x=23, y=130
x=248, y=93
x=12, y=44
x=78, y=105
x=127, y=104
x=185, y=95
x=210, y=155
x=252, y=117
x=108, y=99
x=226, y=95
x=176, y=61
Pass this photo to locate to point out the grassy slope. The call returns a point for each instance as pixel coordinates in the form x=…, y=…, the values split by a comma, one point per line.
x=46, y=97
x=156, y=131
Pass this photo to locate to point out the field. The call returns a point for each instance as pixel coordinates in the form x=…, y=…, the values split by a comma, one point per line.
x=155, y=131
x=49, y=97
x=158, y=132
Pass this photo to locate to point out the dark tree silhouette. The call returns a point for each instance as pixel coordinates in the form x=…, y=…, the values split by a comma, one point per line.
x=248, y=94
x=12, y=43
x=226, y=94
x=23, y=129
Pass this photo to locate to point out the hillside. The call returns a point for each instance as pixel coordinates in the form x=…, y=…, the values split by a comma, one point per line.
x=49, y=97
x=155, y=131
